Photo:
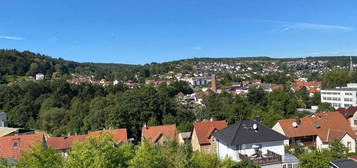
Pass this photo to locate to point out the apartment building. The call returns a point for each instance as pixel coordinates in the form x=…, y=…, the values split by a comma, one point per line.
x=340, y=96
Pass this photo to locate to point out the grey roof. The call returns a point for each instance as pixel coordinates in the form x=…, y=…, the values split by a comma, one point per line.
x=289, y=158
x=340, y=89
x=242, y=132
x=186, y=135
x=343, y=163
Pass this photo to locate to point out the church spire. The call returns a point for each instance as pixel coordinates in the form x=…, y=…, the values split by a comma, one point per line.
x=351, y=64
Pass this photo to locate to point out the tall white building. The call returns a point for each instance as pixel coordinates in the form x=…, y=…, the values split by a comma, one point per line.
x=197, y=81
x=340, y=96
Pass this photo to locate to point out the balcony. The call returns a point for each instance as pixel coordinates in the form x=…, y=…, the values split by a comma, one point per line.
x=265, y=159
x=308, y=144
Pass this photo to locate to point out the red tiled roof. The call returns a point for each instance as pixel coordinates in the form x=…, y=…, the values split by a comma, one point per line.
x=64, y=142
x=205, y=128
x=341, y=110
x=118, y=135
x=313, y=90
x=153, y=133
x=350, y=111
x=311, y=84
x=23, y=143
x=332, y=125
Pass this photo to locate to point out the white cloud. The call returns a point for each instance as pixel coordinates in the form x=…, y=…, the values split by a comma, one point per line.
x=305, y=26
x=11, y=38
x=198, y=48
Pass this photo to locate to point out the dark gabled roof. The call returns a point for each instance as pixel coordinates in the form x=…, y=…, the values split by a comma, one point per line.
x=242, y=132
x=343, y=163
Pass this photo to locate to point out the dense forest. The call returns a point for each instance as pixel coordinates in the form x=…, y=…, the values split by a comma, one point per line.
x=59, y=108
x=15, y=64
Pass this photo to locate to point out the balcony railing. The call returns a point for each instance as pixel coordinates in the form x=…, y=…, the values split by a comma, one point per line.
x=269, y=158
x=308, y=144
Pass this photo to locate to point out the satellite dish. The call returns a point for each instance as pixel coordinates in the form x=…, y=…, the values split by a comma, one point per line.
x=317, y=125
x=255, y=126
x=295, y=124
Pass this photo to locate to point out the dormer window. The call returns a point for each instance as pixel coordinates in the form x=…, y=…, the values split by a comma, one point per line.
x=14, y=144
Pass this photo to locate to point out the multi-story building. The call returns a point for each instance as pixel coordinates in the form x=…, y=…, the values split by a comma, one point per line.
x=340, y=96
x=197, y=81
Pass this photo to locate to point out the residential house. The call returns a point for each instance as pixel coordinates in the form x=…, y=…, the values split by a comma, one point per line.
x=159, y=134
x=343, y=163
x=40, y=76
x=351, y=116
x=311, y=86
x=3, y=119
x=249, y=139
x=318, y=131
x=202, y=139
x=63, y=144
x=184, y=137
x=12, y=146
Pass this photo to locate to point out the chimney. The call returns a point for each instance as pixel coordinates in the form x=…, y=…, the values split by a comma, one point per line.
x=213, y=83
x=211, y=119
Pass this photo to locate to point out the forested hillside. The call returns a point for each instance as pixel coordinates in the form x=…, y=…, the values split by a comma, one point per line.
x=16, y=65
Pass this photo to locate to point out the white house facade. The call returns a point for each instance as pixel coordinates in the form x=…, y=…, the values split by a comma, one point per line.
x=251, y=140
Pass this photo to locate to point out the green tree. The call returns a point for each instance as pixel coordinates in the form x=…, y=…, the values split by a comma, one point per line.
x=202, y=160
x=147, y=156
x=256, y=95
x=54, y=121
x=335, y=78
x=41, y=156
x=97, y=117
x=5, y=164
x=315, y=159
x=338, y=150
x=325, y=107
x=99, y=151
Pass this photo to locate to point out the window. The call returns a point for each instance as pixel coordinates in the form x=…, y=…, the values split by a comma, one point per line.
x=349, y=94
x=355, y=122
x=14, y=144
x=347, y=99
x=349, y=146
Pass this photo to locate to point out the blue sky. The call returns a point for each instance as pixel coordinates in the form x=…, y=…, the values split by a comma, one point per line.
x=143, y=31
